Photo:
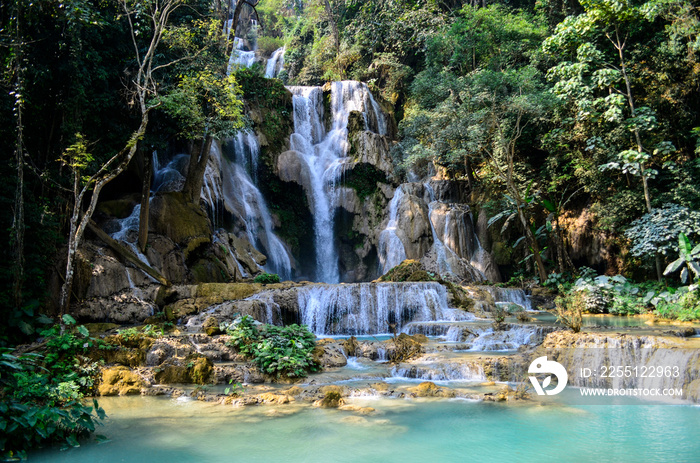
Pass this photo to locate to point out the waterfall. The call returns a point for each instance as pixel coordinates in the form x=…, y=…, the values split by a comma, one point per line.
x=443, y=266
x=654, y=365
x=391, y=249
x=323, y=152
x=369, y=308
x=442, y=371
x=240, y=57
x=230, y=183
x=275, y=64
x=169, y=177
x=509, y=296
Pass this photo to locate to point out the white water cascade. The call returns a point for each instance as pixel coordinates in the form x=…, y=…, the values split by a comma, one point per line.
x=508, y=296
x=391, y=249
x=234, y=188
x=324, y=154
x=275, y=64
x=370, y=308
x=240, y=57
x=443, y=266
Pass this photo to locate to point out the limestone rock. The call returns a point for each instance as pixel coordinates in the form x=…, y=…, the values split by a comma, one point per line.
x=329, y=354
x=120, y=380
x=333, y=397
x=371, y=148
x=430, y=389
x=183, y=222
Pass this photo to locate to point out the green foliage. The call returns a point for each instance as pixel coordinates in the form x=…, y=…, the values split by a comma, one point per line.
x=658, y=231
x=278, y=351
x=267, y=278
x=616, y=295
x=267, y=45
x=42, y=394
x=568, y=309
x=364, y=179
x=688, y=260
x=682, y=304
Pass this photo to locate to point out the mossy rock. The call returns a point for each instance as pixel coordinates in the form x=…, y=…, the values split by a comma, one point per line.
x=99, y=328
x=332, y=397
x=183, y=221
x=403, y=271
x=211, y=326
x=138, y=341
x=120, y=381
x=120, y=355
x=193, y=370
x=406, y=347
x=430, y=389
x=460, y=298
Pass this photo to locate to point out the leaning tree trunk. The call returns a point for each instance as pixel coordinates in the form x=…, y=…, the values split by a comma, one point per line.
x=145, y=202
x=195, y=171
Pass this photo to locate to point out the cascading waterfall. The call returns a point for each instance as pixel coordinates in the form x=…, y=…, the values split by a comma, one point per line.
x=324, y=155
x=240, y=57
x=444, y=371
x=238, y=192
x=509, y=296
x=443, y=266
x=370, y=308
x=391, y=249
x=275, y=64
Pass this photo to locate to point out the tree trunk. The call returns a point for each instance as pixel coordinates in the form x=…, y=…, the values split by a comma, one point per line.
x=18, y=216
x=195, y=171
x=145, y=202
x=640, y=148
x=533, y=244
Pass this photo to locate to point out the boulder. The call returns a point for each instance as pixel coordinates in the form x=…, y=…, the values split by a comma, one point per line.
x=120, y=380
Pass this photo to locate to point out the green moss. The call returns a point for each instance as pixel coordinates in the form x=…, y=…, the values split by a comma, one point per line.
x=271, y=107
x=364, y=179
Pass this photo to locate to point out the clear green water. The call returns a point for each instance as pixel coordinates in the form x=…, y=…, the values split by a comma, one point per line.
x=155, y=430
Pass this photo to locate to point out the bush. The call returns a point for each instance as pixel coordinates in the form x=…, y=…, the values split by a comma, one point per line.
x=279, y=351
x=568, y=310
x=41, y=395
x=266, y=278
x=269, y=44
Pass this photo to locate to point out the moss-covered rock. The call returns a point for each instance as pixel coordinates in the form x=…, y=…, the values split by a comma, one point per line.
x=332, y=397
x=184, y=222
x=429, y=389
x=192, y=370
x=211, y=326
x=120, y=380
x=405, y=271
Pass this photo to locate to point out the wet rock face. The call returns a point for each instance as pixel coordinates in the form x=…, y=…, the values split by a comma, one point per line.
x=329, y=353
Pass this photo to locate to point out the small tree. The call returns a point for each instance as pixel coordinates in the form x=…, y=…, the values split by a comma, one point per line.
x=143, y=87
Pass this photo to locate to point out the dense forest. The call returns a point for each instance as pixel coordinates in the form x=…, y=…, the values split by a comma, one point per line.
x=552, y=111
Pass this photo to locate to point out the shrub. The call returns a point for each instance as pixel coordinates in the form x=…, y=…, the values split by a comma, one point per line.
x=279, y=351
x=269, y=44
x=267, y=278
x=41, y=395
x=568, y=310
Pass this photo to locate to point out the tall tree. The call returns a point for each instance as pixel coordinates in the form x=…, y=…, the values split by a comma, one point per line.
x=598, y=82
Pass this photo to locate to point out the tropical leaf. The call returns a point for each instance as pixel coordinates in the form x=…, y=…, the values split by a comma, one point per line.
x=674, y=266
x=549, y=205
x=684, y=245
